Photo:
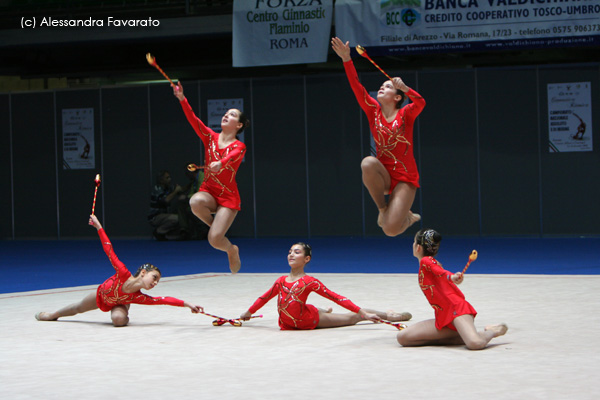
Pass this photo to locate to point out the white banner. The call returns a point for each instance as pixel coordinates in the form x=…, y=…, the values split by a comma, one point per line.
x=276, y=32
x=427, y=26
x=570, y=117
x=78, y=138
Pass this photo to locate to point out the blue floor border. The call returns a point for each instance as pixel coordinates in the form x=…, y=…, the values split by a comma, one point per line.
x=28, y=265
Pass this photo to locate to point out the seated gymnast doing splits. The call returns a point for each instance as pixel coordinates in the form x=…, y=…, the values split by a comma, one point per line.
x=218, y=200
x=293, y=289
x=394, y=171
x=454, y=321
x=119, y=291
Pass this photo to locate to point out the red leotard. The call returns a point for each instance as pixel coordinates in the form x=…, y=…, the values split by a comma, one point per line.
x=394, y=139
x=445, y=297
x=110, y=293
x=293, y=311
x=221, y=185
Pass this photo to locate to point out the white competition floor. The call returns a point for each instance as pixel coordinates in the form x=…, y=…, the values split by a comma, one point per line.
x=551, y=350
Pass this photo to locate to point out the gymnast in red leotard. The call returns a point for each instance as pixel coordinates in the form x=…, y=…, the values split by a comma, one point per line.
x=118, y=291
x=218, y=201
x=293, y=290
x=454, y=321
x=394, y=171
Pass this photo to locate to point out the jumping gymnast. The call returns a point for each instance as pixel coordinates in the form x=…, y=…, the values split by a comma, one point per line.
x=218, y=194
x=119, y=291
x=394, y=171
x=454, y=321
x=293, y=290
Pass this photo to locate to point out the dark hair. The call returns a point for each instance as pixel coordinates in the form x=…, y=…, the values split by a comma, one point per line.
x=160, y=174
x=430, y=240
x=403, y=95
x=306, y=247
x=148, y=268
x=244, y=121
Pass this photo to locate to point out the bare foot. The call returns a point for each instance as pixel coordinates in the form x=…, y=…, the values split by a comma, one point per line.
x=234, y=259
x=498, y=330
x=394, y=316
x=380, y=216
x=412, y=218
x=44, y=316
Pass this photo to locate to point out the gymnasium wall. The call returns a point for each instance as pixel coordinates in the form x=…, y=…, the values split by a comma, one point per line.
x=481, y=145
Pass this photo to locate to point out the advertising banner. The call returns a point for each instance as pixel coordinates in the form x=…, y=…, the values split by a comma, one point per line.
x=429, y=26
x=78, y=138
x=570, y=117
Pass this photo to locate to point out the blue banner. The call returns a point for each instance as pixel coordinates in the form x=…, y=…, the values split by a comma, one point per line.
x=389, y=27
